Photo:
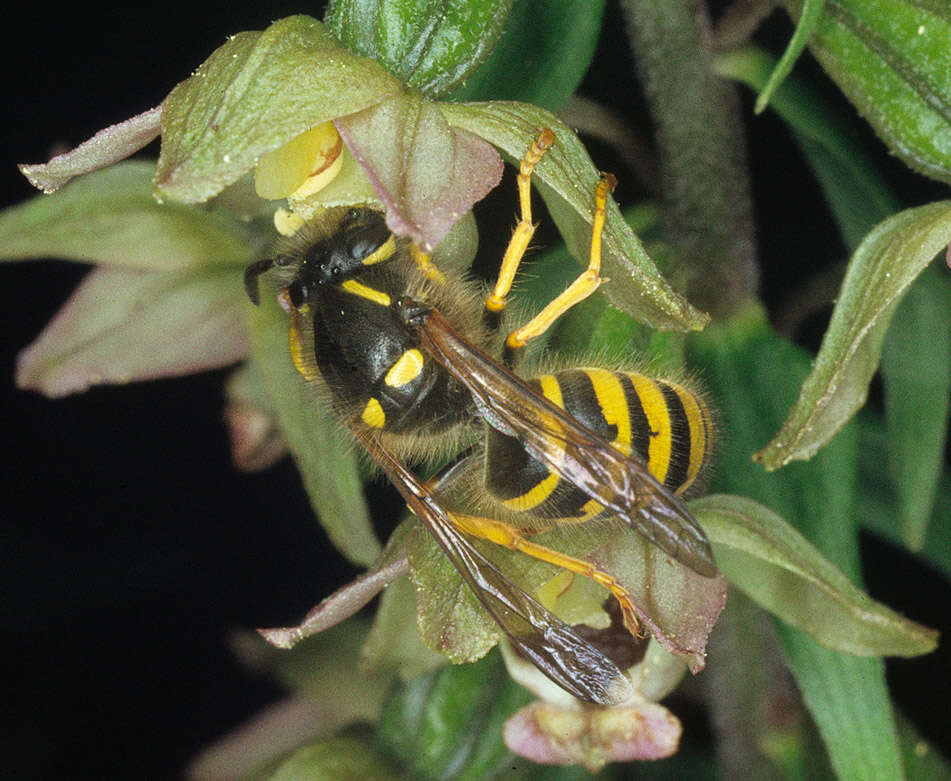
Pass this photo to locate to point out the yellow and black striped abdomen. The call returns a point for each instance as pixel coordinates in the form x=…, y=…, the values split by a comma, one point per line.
x=663, y=423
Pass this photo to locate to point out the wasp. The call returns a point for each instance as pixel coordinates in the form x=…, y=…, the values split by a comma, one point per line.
x=405, y=353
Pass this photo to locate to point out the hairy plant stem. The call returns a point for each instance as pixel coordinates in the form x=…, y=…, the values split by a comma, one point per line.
x=708, y=212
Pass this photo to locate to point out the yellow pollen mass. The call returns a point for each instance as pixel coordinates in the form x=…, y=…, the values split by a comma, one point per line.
x=310, y=160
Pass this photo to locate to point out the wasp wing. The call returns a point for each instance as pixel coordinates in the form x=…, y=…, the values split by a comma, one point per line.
x=553, y=647
x=568, y=448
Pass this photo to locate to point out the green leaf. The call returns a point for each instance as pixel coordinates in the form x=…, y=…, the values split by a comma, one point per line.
x=325, y=458
x=566, y=178
x=880, y=272
x=110, y=216
x=124, y=324
x=430, y=45
x=253, y=94
x=857, y=194
x=787, y=575
x=543, y=54
x=891, y=59
x=336, y=759
x=848, y=698
x=879, y=506
x=753, y=373
x=811, y=13
x=916, y=367
x=448, y=723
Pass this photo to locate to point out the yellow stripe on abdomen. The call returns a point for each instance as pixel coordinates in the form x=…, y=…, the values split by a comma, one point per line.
x=658, y=421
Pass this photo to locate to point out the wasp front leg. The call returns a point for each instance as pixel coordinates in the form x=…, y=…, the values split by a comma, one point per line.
x=587, y=282
x=524, y=230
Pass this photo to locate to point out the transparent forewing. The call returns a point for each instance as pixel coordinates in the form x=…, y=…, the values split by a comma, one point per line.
x=553, y=647
x=569, y=449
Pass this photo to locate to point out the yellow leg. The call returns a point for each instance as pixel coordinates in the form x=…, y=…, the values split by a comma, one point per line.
x=522, y=235
x=425, y=262
x=587, y=282
x=508, y=536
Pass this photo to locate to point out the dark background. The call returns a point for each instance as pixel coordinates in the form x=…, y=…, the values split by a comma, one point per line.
x=131, y=546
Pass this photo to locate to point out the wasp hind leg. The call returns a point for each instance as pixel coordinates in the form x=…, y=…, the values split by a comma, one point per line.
x=508, y=536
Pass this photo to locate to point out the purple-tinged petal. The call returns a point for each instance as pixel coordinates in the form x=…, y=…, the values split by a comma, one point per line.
x=123, y=324
x=257, y=441
x=339, y=606
x=551, y=735
x=108, y=146
x=678, y=606
x=427, y=174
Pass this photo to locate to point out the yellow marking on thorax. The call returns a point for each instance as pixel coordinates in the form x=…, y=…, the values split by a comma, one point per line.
x=373, y=414
x=383, y=252
x=302, y=357
x=406, y=369
x=658, y=420
x=369, y=293
x=613, y=403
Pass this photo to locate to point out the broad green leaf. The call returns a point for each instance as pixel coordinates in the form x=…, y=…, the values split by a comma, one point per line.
x=253, y=94
x=753, y=374
x=336, y=759
x=857, y=194
x=123, y=324
x=430, y=45
x=880, y=272
x=543, y=54
x=848, y=699
x=566, y=178
x=426, y=173
x=784, y=573
x=879, y=506
x=811, y=13
x=891, y=59
x=916, y=368
x=108, y=146
x=448, y=723
x=110, y=216
x=325, y=458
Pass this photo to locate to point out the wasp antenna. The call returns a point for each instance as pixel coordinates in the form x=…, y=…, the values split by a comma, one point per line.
x=251, y=274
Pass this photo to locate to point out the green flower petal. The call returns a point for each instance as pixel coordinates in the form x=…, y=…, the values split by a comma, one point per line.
x=254, y=94
x=108, y=146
